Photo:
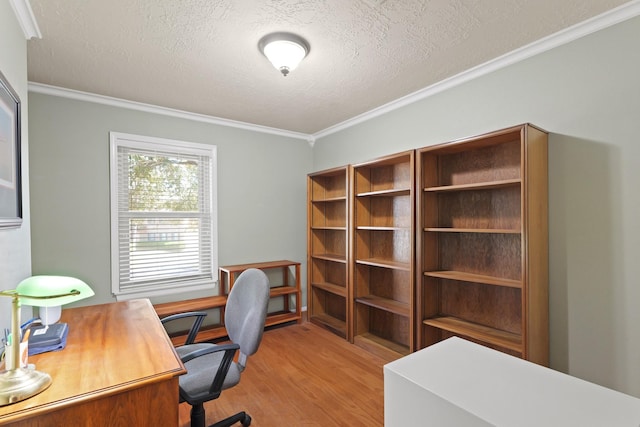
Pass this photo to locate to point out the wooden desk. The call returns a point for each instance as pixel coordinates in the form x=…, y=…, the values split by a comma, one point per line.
x=118, y=369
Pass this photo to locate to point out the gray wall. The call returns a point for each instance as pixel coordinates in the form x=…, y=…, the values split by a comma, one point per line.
x=261, y=188
x=587, y=95
x=15, y=246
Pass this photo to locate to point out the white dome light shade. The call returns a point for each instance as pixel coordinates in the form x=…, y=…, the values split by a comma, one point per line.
x=284, y=50
x=284, y=55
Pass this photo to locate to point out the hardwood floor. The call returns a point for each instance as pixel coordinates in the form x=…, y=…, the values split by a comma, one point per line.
x=303, y=375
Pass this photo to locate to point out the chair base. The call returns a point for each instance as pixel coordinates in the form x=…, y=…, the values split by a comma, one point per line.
x=241, y=417
x=198, y=418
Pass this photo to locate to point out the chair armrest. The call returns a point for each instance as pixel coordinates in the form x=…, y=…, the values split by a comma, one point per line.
x=195, y=326
x=229, y=353
x=213, y=348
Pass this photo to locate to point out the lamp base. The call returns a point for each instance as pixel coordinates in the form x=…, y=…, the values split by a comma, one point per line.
x=21, y=383
x=50, y=315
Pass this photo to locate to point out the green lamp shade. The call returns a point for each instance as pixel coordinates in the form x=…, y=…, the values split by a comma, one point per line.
x=48, y=291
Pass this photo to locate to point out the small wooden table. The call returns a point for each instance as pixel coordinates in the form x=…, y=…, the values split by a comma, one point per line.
x=118, y=369
x=229, y=273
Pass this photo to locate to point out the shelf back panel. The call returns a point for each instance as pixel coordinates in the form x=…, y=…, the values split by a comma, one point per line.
x=386, y=325
x=383, y=282
x=391, y=245
x=329, y=214
x=485, y=164
x=482, y=209
x=493, y=306
x=387, y=176
x=327, y=303
x=497, y=255
x=329, y=187
x=383, y=211
x=323, y=271
x=329, y=242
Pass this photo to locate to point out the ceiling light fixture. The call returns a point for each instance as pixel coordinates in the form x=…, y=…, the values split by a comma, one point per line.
x=284, y=50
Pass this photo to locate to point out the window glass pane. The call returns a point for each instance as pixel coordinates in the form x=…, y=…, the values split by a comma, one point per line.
x=163, y=183
x=162, y=247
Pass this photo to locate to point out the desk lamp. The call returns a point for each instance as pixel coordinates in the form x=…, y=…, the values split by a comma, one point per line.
x=18, y=383
x=50, y=293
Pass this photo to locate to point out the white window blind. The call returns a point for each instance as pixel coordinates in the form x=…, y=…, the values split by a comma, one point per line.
x=163, y=216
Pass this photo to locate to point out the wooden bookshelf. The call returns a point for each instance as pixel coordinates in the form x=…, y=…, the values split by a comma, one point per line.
x=328, y=289
x=382, y=221
x=482, y=269
x=285, y=294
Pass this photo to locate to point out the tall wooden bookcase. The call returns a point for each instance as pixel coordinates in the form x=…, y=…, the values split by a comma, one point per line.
x=482, y=242
x=328, y=290
x=452, y=239
x=382, y=272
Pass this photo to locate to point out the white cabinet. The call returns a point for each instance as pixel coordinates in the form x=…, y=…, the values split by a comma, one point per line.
x=458, y=383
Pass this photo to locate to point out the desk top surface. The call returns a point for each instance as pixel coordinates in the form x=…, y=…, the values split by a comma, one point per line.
x=110, y=348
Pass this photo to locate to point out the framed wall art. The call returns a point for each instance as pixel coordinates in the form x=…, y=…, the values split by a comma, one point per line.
x=10, y=173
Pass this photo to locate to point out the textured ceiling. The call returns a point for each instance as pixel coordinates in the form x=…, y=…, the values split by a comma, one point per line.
x=201, y=56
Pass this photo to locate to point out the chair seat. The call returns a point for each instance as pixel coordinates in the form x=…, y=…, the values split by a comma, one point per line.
x=201, y=371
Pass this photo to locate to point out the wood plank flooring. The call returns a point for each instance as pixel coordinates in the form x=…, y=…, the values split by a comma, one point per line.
x=303, y=375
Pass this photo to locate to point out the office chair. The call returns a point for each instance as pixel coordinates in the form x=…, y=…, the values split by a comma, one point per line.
x=210, y=367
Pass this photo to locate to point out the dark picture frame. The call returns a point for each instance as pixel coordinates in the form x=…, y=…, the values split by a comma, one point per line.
x=10, y=161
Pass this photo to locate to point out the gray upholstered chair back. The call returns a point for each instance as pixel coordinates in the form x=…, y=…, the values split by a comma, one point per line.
x=246, y=312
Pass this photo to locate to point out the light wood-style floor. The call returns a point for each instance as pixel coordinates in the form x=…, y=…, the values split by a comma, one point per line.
x=303, y=375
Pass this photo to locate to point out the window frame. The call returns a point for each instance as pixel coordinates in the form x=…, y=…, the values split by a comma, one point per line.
x=119, y=139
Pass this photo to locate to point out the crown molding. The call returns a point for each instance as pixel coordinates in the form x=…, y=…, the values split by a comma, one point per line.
x=26, y=19
x=614, y=16
x=148, y=108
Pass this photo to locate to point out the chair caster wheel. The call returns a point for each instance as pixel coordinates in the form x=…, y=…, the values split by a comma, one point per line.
x=247, y=421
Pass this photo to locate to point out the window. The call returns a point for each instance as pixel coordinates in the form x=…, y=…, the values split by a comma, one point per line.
x=163, y=216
